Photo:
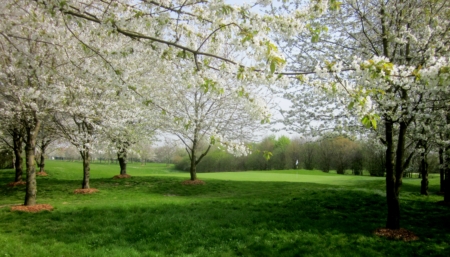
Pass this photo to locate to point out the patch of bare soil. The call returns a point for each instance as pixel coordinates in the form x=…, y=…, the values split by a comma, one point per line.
x=398, y=234
x=85, y=191
x=42, y=174
x=193, y=182
x=18, y=183
x=32, y=208
x=122, y=176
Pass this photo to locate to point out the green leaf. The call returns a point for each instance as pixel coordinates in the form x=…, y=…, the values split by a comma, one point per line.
x=370, y=121
x=350, y=106
x=272, y=67
x=374, y=123
x=366, y=121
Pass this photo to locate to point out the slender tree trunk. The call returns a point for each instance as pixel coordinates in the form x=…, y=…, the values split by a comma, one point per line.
x=44, y=145
x=393, y=204
x=424, y=173
x=122, y=158
x=30, y=148
x=31, y=190
x=441, y=169
x=86, y=169
x=18, y=160
x=193, y=169
x=42, y=163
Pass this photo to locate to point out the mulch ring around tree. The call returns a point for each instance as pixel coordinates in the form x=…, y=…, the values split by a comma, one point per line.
x=42, y=174
x=18, y=183
x=122, y=176
x=398, y=234
x=193, y=182
x=32, y=208
x=85, y=191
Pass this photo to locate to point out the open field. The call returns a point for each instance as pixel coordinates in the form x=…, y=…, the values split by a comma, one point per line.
x=270, y=213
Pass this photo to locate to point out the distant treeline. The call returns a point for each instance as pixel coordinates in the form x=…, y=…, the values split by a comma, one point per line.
x=328, y=153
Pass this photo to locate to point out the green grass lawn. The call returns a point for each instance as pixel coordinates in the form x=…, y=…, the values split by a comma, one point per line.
x=270, y=213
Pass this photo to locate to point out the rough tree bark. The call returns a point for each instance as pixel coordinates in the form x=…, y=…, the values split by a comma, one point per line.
x=32, y=131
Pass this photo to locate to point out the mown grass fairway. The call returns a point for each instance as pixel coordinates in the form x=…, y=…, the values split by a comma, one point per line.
x=278, y=213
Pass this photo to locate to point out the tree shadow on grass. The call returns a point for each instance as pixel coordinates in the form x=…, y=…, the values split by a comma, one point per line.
x=229, y=219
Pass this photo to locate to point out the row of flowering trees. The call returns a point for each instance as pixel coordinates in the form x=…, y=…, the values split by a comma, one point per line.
x=118, y=71
x=100, y=67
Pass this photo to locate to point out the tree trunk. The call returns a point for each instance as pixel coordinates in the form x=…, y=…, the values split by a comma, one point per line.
x=193, y=169
x=18, y=160
x=441, y=169
x=42, y=163
x=447, y=185
x=424, y=173
x=447, y=176
x=30, y=148
x=122, y=158
x=86, y=169
x=393, y=204
x=44, y=145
